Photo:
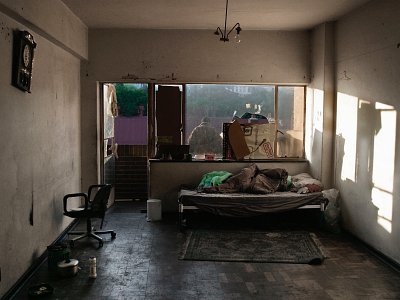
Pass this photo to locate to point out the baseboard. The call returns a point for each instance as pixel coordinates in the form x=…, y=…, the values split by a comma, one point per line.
x=376, y=253
x=36, y=264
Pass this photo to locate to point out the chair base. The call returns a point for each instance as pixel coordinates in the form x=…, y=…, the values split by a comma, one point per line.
x=90, y=233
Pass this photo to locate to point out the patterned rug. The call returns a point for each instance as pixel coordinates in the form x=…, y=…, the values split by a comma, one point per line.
x=298, y=247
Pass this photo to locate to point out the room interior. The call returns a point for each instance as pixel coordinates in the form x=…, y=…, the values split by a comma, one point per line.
x=345, y=52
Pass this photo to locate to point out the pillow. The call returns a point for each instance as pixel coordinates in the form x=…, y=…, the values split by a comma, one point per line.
x=303, y=183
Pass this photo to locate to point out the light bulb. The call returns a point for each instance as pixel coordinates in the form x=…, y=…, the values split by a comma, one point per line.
x=237, y=38
x=238, y=30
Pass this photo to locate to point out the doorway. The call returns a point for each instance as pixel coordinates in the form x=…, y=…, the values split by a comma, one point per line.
x=125, y=137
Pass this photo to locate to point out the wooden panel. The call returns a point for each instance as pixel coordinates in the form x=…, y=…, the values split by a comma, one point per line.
x=168, y=115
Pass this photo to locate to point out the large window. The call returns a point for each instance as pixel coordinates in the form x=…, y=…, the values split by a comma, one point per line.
x=209, y=106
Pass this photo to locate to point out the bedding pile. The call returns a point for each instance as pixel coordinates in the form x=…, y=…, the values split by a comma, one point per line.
x=251, y=192
x=253, y=180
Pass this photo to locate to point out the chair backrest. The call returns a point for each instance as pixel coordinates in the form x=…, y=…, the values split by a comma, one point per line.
x=99, y=203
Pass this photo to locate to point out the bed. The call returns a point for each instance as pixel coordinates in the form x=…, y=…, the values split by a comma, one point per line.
x=245, y=204
x=251, y=197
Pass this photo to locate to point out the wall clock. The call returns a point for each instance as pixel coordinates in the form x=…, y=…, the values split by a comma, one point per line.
x=24, y=46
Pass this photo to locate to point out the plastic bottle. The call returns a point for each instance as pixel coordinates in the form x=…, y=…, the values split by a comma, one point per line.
x=92, y=267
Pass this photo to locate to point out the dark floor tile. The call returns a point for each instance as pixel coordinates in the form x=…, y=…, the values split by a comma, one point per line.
x=142, y=263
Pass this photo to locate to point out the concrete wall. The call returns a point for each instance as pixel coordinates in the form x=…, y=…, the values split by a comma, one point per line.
x=53, y=20
x=367, y=147
x=184, y=56
x=190, y=173
x=320, y=105
x=199, y=56
x=130, y=130
x=40, y=158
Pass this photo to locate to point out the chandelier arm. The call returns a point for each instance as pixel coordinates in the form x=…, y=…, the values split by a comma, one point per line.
x=236, y=25
x=219, y=31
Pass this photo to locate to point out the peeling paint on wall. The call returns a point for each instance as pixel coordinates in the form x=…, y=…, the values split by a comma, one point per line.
x=149, y=79
x=5, y=32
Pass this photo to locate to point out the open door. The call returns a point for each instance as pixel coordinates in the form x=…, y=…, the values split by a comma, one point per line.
x=168, y=114
x=109, y=147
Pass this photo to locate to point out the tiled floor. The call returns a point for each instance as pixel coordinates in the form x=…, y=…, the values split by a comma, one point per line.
x=142, y=263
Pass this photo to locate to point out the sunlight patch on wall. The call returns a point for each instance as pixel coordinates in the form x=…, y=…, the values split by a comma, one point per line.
x=346, y=128
x=384, y=149
x=383, y=165
x=384, y=203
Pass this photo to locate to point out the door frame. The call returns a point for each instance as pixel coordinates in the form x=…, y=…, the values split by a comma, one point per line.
x=100, y=124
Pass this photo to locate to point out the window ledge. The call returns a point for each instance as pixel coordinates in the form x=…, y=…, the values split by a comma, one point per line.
x=275, y=160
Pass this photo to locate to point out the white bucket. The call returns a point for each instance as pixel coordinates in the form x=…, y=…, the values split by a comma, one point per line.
x=153, y=210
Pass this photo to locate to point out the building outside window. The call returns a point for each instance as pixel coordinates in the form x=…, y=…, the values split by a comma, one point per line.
x=209, y=106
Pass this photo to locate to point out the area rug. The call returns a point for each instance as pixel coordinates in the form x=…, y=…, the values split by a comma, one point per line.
x=298, y=247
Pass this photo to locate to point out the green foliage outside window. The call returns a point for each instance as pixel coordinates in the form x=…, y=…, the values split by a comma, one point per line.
x=132, y=99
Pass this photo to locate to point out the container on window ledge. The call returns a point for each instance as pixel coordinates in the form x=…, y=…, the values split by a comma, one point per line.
x=209, y=156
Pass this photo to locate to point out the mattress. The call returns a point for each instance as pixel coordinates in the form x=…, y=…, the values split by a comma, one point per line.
x=246, y=204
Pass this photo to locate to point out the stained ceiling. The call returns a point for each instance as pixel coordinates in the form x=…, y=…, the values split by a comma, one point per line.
x=209, y=14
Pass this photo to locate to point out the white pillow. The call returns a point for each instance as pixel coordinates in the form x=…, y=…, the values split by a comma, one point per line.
x=302, y=180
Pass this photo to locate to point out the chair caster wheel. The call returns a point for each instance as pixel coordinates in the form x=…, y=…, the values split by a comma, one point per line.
x=113, y=235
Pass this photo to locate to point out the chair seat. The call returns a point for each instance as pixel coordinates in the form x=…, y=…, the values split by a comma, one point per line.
x=76, y=212
x=95, y=208
x=81, y=213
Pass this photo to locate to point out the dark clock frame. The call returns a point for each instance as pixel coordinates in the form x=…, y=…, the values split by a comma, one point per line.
x=22, y=75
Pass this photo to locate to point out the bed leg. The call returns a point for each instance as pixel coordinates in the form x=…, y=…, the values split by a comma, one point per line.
x=180, y=217
x=321, y=220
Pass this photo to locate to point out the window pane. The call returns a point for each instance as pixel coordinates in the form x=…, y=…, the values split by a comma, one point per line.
x=290, y=122
x=218, y=103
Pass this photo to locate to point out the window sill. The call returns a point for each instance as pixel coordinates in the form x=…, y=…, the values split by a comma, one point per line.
x=275, y=160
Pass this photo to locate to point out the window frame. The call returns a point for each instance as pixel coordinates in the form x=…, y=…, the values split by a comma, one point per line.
x=151, y=113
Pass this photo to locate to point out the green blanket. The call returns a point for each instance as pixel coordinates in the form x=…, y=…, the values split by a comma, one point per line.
x=213, y=179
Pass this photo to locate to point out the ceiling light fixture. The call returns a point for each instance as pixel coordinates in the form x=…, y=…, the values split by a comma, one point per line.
x=225, y=36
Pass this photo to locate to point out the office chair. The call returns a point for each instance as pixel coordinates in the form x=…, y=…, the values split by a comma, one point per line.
x=95, y=208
